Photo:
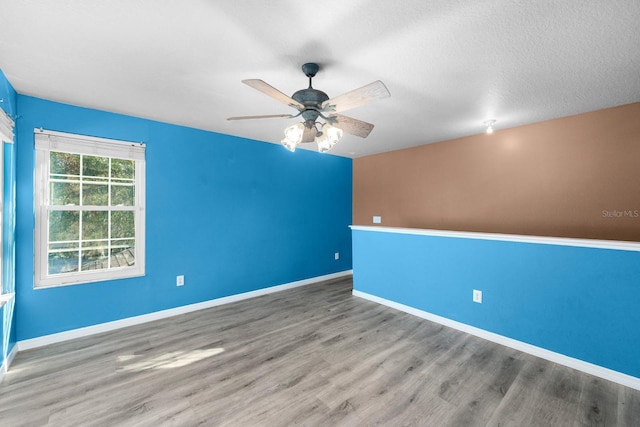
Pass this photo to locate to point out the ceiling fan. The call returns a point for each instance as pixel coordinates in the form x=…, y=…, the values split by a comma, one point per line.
x=313, y=104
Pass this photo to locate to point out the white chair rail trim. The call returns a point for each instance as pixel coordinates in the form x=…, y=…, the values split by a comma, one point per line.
x=540, y=240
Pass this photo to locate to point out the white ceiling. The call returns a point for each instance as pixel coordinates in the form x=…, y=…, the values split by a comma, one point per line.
x=449, y=64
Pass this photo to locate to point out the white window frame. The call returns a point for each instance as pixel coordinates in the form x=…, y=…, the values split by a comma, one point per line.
x=47, y=141
x=6, y=136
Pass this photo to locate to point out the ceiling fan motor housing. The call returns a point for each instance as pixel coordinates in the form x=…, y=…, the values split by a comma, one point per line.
x=312, y=99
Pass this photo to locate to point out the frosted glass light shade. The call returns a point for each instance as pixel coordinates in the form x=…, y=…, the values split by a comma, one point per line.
x=333, y=133
x=324, y=143
x=293, y=136
x=328, y=137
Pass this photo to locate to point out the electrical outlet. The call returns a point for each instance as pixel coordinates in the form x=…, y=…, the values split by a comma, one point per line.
x=179, y=280
x=336, y=256
x=477, y=296
x=377, y=219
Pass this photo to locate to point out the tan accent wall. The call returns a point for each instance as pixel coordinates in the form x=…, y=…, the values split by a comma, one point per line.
x=577, y=176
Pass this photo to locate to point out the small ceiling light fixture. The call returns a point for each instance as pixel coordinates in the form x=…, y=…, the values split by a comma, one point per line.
x=489, y=124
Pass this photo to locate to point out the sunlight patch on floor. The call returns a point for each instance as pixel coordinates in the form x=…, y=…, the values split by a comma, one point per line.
x=175, y=359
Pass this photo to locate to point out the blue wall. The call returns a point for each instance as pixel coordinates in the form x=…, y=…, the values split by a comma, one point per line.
x=232, y=215
x=7, y=313
x=580, y=302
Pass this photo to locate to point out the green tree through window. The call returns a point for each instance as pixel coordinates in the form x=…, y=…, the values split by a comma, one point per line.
x=90, y=239
x=90, y=209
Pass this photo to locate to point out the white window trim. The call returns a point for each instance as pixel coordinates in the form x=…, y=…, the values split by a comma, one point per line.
x=46, y=141
x=6, y=136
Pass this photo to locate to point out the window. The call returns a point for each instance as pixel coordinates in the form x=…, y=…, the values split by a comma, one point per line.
x=6, y=136
x=89, y=196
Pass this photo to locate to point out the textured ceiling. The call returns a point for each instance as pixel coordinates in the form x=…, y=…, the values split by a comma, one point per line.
x=449, y=64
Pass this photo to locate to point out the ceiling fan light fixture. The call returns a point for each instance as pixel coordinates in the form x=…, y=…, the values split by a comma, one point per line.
x=332, y=132
x=324, y=143
x=293, y=136
x=328, y=137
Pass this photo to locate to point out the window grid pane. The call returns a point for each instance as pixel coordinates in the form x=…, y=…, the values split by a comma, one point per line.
x=83, y=239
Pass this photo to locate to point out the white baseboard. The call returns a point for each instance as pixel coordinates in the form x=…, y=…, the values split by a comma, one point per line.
x=580, y=365
x=136, y=320
x=6, y=363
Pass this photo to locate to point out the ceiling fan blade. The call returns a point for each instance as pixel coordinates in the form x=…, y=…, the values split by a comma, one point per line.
x=267, y=89
x=269, y=116
x=350, y=125
x=309, y=134
x=356, y=97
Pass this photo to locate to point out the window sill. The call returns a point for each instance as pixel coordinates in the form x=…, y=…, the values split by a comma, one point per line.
x=5, y=298
x=82, y=279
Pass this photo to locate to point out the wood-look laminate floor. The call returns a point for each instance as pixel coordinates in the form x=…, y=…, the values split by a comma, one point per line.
x=313, y=355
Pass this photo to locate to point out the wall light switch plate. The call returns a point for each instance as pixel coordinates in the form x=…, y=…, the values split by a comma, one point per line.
x=477, y=296
x=377, y=219
x=179, y=280
x=336, y=256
